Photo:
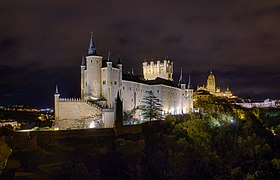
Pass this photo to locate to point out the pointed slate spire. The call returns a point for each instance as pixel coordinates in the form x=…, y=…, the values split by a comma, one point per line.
x=181, y=77
x=91, y=48
x=108, y=59
x=119, y=60
x=56, y=89
x=189, y=83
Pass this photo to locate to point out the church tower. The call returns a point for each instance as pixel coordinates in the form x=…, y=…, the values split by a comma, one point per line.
x=211, y=84
x=92, y=73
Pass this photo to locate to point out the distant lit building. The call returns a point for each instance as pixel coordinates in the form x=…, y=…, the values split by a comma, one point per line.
x=102, y=80
x=265, y=104
x=9, y=123
x=215, y=90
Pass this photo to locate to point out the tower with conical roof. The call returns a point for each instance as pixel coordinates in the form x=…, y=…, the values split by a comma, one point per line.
x=182, y=83
x=91, y=73
x=56, y=101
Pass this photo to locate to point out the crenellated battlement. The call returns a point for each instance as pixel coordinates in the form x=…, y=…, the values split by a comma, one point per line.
x=99, y=107
x=152, y=70
x=157, y=63
x=71, y=99
x=102, y=81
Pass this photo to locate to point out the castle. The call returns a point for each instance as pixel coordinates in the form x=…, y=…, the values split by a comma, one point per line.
x=213, y=89
x=102, y=81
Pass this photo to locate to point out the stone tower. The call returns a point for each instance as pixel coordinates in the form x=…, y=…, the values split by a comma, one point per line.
x=153, y=70
x=91, y=73
x=211, y=84
x=109, y=82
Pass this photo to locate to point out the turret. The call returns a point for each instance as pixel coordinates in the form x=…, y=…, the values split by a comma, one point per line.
x=56, y=103
x=189, y=97
x=83, y=67
x=93, y=72
x=158, y=67
x=189, y=83
x=109, y=81
x=119, y=64
x=145, y=70
x=182, y=83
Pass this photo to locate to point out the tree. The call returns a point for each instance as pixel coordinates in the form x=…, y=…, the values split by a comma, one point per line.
x=151, y=108
x=5, y=150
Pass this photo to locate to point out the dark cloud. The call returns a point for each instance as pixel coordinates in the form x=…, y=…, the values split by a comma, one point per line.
x=42, y=41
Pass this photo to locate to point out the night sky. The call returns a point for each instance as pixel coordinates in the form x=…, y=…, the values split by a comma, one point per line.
x=42, y=42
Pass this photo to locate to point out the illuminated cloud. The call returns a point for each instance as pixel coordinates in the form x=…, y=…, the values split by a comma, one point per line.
x=239, y=40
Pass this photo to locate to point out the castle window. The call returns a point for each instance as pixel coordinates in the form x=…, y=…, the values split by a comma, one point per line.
x=115, y=82
x=130, y=88
x=157, y=91
x=123, y=87
x=104, y=82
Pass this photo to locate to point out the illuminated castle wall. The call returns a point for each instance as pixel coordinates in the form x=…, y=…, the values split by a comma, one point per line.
x=102, y=80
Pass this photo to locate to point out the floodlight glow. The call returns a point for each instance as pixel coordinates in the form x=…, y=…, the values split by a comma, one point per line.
x=92, y=124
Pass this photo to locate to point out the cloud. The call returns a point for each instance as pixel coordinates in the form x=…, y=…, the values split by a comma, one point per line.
x=234, y=38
